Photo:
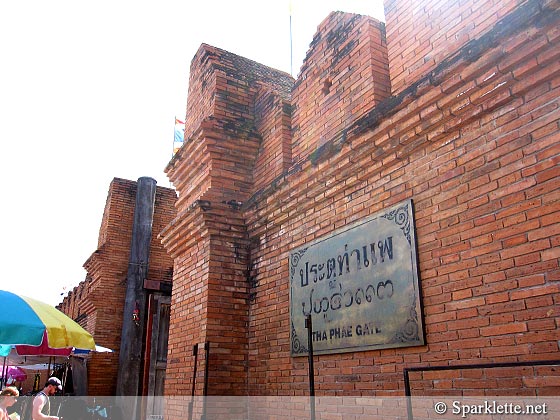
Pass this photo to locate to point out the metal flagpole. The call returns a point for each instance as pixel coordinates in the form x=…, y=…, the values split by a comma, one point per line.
x=205, y=390
x=291, y=46
x=309, y=326
x=174, y=137
x=195, y=354
x=173, y=144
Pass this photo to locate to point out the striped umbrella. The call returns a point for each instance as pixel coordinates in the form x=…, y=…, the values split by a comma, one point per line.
x=35, y=327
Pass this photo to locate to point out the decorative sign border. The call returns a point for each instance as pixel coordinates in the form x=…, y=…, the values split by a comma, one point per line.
x=360, y=286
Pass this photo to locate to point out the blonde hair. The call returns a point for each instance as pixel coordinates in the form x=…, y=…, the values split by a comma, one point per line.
x=10, y=391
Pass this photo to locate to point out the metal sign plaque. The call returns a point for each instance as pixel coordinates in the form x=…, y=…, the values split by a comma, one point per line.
x=360, y=286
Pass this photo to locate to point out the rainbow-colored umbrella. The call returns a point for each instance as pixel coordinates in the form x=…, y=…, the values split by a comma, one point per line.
x=35, y=327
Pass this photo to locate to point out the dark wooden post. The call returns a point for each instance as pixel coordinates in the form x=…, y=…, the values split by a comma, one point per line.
x=134, y=316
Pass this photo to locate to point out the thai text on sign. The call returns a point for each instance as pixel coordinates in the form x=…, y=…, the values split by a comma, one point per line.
x=360, y=286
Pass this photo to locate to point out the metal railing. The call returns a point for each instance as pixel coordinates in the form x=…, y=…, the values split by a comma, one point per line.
x=406, y=372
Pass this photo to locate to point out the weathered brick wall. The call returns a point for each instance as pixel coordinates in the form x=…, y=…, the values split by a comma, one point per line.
x=213, y=173
x=421, y=34
x=189, y=298
x=517, y=380
x=209, y=301
x=347, y=58
x=475, y=145
x=273, y=121
x=161, y=263
x=78, y=307
x=476, y=148
x=220, y=126
x=98, y=302
x=202, y=81
x=106, y=269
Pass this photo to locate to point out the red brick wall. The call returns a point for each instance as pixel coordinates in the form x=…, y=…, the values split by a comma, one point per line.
x=193, y=180
x=347, y=58
x=202, y=81
x=221, y=134
x=189, y=300
x=98, y=302
x=273, y=121
x=161, y=263
x=479, y=156
x=420, y=34
x=475, y=145
x=214, y=173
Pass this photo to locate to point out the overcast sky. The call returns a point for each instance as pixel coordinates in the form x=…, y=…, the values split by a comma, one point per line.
x=89, y=91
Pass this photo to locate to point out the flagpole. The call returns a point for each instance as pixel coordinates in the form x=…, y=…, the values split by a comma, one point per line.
x=175, y=140
x=291, y=47
x=173, y=144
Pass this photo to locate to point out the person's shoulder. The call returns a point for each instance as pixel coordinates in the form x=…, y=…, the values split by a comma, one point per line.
x=39, y=395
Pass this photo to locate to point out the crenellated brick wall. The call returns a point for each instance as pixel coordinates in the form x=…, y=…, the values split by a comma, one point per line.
x=98, y=302
x=347, y=58
x=220, y=130
x=214, y=173
x=472, y=140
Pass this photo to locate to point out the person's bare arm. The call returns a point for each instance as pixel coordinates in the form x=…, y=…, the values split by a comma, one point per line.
x=38, y=404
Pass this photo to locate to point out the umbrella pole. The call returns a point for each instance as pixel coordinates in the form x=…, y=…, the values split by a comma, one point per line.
x=2, y=380
x=64, y=377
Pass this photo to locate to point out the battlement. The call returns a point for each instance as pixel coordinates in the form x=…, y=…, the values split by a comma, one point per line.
x=344, y=75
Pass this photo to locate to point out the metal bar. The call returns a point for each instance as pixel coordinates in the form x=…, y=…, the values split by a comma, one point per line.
x=206, y=364
x=484, y=365
x=309, y=326
x=150, y=358
x=459, y=367
x=195, y=354
x=407, y=393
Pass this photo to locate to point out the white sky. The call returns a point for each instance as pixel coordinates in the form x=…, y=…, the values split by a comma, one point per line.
x=89, y=91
